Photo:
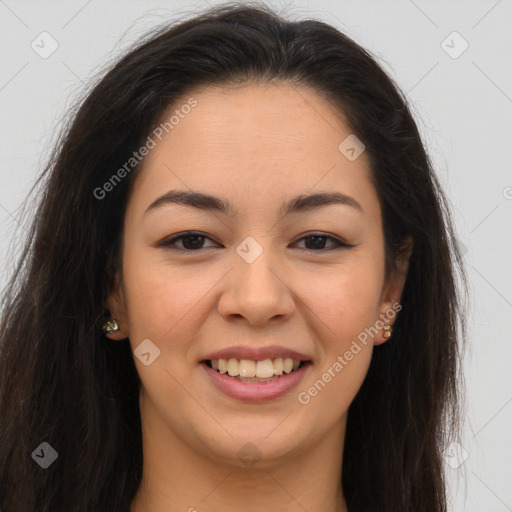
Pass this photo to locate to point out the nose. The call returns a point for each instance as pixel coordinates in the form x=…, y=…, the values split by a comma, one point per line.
x=259, y=292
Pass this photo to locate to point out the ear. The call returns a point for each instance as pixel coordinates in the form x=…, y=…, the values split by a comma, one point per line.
x=116, y=307
x=392, y=290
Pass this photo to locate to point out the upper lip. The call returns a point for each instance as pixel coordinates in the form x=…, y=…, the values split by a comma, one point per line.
x=257, y=354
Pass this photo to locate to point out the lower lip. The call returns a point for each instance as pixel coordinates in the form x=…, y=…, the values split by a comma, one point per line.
x=255, y=391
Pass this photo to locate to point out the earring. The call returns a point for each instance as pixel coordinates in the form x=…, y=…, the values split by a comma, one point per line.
x=110, y=326
x=387, y=331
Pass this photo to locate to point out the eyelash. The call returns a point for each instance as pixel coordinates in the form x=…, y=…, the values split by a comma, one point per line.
x=170, y=242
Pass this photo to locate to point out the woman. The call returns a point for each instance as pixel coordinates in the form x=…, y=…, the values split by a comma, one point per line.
x=239, y=290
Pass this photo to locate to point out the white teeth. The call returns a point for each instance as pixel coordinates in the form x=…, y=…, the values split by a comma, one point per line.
x=233, y=367
x=278, y=366
x=264, y=369
x=248, y=369
x=288, y=365
x=223, y=366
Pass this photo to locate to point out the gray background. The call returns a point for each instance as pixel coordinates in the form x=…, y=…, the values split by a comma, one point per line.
x=463, y=106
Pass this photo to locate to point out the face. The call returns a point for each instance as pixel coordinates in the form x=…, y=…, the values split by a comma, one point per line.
x=268, y=276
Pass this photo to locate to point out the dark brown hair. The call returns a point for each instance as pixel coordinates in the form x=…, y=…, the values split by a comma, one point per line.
x=63, y=383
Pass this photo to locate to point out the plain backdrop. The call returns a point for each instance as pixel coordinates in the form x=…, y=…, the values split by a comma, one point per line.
x=452, y=59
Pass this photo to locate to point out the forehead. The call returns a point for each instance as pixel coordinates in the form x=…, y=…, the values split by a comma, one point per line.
x=258, y=140
x=281, y=120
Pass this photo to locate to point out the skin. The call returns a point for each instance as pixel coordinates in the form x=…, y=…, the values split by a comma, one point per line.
x=256, y=146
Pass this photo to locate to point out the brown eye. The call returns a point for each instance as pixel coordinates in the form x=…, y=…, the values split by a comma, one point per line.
x=189, y=242
x=317, y=242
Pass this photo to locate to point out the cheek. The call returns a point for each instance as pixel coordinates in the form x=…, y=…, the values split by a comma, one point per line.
x=343, y=307
x=330, y=389
x=345, y=299
x=165, y=303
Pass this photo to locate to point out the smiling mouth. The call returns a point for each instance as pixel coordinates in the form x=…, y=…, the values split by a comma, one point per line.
x=245, y=370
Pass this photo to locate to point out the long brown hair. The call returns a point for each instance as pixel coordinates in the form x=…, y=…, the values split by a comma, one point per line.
x=63, y=383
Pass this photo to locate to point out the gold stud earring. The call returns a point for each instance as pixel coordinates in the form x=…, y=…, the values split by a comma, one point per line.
x=110, y=326
x=387, y=331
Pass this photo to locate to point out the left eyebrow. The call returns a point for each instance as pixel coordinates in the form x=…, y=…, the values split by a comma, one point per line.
x=300, y=203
